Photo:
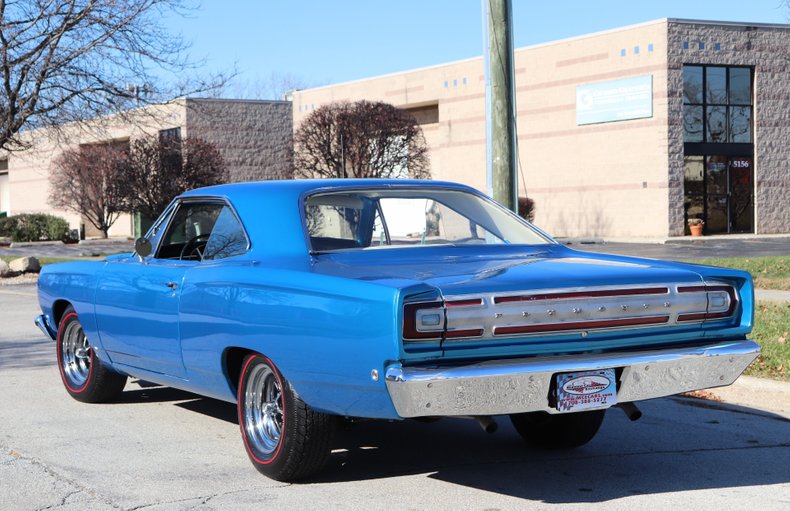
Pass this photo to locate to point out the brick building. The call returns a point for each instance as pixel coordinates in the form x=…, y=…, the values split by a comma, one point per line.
x=254, y=138
x=628, y=132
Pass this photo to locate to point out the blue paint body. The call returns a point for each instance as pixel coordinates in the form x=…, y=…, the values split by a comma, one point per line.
x=328, y=320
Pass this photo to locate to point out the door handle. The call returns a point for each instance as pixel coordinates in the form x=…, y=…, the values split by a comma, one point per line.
x=172, y=285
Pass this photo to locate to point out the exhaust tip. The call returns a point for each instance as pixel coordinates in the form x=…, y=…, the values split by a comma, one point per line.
x=487, y=422
x=631, y=411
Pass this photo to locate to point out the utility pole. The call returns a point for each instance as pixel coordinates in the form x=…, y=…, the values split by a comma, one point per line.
x=501, y=157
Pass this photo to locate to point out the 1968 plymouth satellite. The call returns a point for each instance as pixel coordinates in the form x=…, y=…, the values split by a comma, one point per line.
x=309, y=301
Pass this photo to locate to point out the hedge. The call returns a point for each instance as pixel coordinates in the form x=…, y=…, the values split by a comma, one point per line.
x=34, y=227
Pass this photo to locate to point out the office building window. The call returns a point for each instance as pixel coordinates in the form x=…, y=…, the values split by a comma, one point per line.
x=170, y=134
x=717, y=104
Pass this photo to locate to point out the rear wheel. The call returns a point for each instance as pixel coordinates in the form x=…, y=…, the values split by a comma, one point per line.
x=85, y=377
x=560, y=431
x=284, y=438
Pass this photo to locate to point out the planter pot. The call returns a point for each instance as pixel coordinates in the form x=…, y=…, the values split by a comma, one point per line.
x=696, y=230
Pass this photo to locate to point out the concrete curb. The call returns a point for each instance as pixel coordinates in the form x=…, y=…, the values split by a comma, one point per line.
x=106, y=241
x=28, y=244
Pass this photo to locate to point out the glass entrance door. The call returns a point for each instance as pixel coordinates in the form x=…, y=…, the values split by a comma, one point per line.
x=720, y=191
x=741, y=172
x=717, y=188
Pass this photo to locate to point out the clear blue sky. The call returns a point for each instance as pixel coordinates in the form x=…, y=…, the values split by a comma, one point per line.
x=331, y=41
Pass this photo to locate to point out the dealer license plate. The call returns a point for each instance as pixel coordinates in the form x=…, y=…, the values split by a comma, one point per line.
x=585, y=390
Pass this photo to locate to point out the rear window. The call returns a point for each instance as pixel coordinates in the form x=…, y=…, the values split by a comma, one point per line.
x=368, y=219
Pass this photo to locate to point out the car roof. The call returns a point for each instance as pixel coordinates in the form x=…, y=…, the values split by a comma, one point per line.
x=302, y=186
x=280, y=232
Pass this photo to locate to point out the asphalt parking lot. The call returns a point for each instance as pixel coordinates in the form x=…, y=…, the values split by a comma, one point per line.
x=682, y=249
x=158, y=448
x=687, y=249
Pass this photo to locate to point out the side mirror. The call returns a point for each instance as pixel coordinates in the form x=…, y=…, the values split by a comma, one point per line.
x=143, y=248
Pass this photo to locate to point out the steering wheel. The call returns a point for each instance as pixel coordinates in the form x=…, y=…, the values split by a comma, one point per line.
x=196, y=252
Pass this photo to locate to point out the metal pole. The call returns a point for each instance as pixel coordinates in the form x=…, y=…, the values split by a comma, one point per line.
x=487, y=71
x=501, y=99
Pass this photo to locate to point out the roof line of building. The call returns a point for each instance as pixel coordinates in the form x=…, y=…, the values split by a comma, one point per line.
x=235, y=100
x=745, y=24
x=556, y=41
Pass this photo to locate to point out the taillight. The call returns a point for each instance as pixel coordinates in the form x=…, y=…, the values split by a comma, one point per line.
x=721, y=302
x=428, y=320
x=423, y=320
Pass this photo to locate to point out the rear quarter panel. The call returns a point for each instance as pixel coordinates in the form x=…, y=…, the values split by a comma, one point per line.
x=325, y=334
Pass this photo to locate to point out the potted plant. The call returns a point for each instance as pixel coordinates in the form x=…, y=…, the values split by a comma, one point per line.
x=696, y=225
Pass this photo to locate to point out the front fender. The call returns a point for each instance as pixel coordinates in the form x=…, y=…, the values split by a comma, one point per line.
x=73, y=283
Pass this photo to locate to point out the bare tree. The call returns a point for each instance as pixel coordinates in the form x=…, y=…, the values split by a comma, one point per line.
x=274, y=87
x=158, y=169
x=85, y=180
x=361, y=140
x=68, y=61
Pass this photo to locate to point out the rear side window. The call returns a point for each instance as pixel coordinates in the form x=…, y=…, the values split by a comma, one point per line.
x=227, y=238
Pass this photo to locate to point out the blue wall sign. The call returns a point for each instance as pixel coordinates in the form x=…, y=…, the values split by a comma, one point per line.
x=617, y=100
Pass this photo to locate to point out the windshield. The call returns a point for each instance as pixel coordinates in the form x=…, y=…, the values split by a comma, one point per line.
x=369, y=219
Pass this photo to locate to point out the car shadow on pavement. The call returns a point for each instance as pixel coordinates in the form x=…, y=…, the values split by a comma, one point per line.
x=27, y=353
x=680, y=445
x=140, y=391
x=152, y=394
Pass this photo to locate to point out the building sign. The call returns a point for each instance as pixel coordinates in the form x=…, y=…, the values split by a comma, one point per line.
x=617, y=100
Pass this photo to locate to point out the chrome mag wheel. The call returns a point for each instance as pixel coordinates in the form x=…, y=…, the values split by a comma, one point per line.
x=76, y=355
x=263, y=410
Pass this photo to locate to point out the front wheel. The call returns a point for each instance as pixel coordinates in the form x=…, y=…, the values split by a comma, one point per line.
x=560, y=431
x=284, y=438
x=86, y=379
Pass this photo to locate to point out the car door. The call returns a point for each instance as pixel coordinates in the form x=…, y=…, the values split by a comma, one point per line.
x=137, y=301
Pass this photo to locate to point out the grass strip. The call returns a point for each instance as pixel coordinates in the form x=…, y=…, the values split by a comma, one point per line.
x=772, y=332
x=769, y=272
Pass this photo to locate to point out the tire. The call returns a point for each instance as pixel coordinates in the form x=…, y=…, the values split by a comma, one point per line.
x=85, y=377
x=561, y=431
x=284, y=438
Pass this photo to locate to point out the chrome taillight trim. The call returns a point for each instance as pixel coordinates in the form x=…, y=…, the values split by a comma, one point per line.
x=485, y=316
x=709, y=289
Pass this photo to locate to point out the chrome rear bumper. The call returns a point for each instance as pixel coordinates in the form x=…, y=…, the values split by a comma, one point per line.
x=522, y=385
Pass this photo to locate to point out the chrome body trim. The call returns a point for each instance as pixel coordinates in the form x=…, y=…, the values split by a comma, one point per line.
x=523, y=385
x=43, y=325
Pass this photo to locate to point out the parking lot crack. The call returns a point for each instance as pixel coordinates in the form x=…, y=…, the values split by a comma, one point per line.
x=76, y=488
x=203, y=500
x=63, y=500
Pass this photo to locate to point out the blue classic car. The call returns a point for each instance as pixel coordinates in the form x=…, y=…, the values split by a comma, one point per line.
x=306, y=302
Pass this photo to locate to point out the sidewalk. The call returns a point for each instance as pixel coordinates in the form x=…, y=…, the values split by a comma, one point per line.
x=700, y=240
x=771, y=295
x=761, y=393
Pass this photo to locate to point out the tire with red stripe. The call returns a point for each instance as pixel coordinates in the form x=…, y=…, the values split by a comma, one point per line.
x=86, y=379
x=285, y=439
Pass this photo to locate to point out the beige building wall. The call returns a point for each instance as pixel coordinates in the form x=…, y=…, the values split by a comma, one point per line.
x=614, y=179
x=254, y=138
x=603, y=179
x=607, y=179
x=28, y=171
